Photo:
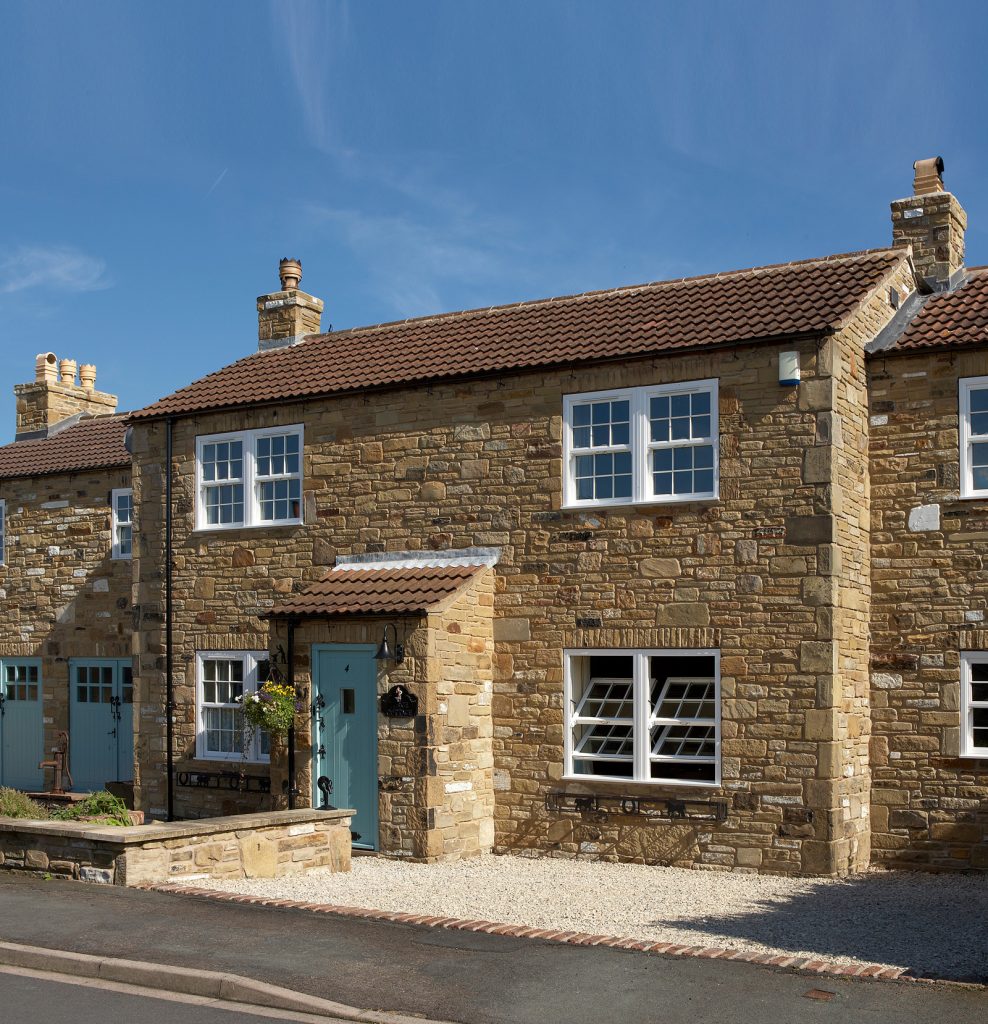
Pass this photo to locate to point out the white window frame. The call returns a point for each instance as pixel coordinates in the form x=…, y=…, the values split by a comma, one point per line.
x=251, y=480
x=968, y=705
x=642, y=715
x=251, y=660
x=641, y=444
x=116, y=550
x=3, y=532
x=966, y=385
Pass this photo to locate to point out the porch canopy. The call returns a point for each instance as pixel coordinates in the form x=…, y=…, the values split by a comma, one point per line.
x=407, y=583
x=421, y=780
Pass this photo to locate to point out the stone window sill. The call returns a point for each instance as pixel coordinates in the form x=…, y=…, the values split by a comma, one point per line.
x=638, y=506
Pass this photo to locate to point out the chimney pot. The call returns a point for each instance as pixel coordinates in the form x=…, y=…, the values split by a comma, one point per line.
x=932, y=223
x=290, y=272
x=66, y=370
x=928, y=176
x=54, y=396
x=45, y=368
x=290, y=316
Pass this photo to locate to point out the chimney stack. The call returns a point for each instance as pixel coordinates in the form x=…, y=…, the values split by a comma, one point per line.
x=289, y=316
x=932, y=222
x=54, y=396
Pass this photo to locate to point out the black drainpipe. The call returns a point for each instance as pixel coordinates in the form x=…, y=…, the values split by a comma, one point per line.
x=169, y=689
x=290, y=678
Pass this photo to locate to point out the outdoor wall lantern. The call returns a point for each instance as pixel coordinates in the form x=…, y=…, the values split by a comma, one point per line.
x=384, y=652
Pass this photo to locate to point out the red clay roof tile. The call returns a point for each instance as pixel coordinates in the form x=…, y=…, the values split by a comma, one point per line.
x=349, y=591
x=950, y=319
x=96, y=443
x=752, y=305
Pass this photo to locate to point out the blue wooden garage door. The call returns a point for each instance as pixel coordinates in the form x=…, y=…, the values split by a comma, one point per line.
x=101, y=722
x=21, y=727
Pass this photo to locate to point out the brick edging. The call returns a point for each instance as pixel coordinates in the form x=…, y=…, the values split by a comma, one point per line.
x=807, y=965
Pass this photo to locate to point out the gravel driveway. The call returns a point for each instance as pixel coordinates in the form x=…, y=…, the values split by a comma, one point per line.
x=937, y=925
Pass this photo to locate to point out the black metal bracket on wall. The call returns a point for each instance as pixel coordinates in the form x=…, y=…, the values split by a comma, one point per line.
x=601, y=806
x=225, y=780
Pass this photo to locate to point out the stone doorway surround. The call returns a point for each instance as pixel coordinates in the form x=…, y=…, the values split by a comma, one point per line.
x=436, y=768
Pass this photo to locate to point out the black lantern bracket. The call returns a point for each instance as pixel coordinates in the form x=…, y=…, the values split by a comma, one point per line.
x=385, y=652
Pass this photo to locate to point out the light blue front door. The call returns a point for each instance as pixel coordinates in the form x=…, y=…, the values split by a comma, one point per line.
x=21, y=729
x=344, y=740
x=101, y=722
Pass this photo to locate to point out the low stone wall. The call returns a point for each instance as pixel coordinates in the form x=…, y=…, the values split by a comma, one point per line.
x=265, y=845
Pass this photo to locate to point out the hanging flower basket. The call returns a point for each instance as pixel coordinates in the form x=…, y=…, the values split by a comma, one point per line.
x=271, y=708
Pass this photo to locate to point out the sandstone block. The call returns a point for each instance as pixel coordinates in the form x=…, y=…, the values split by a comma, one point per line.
x=818, y=590
x=746, y=551
x=787, y=565
x=818, y=465
x=809, y=530
x=684, y=614
x=511, y=630
x=816, y=656
x=660, y=568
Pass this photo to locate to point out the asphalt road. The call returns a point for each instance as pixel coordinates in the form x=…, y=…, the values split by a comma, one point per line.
x=450, y=975
x=32, y=1000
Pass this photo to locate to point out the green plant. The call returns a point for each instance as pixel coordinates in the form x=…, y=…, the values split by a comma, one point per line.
x=272, y=708
x=97, y=805
x=14, y=804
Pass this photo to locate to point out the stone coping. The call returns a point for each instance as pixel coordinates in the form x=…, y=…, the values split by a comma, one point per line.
x=162, y=831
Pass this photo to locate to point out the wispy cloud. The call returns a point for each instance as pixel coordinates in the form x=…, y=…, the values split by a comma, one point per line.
x=412, y=261
x=215, y=184
x=311, y=32
x=55, y=267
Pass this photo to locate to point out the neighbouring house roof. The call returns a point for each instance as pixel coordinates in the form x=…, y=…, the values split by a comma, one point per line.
x=91, y=443
x=764, y=303
x=954, y=319
x=352, y=590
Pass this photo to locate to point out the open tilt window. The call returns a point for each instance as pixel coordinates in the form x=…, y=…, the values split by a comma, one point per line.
x=644, y=716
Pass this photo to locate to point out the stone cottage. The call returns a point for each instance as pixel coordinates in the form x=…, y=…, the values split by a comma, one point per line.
x=65, y=584
x=687, y=573
x=684, y=573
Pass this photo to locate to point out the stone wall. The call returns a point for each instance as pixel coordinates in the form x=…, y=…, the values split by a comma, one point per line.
x=61, y=594
x=479, y=464
x=245, y=846
x=930, y=601
x=460, y=786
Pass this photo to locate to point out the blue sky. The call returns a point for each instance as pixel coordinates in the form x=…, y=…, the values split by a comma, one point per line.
x=159, y=159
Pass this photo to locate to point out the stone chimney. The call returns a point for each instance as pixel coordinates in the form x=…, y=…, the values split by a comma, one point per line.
x=932, y=221
x=54, y=396
x=287, y=317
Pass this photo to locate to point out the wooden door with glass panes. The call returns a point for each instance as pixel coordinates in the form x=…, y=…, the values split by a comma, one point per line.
x=21, y=726
x=101, y=722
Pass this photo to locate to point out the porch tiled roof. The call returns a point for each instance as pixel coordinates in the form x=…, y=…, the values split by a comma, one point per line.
x=760, y=304
x=954, y=319
x=96, y=443
x=393, y=591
